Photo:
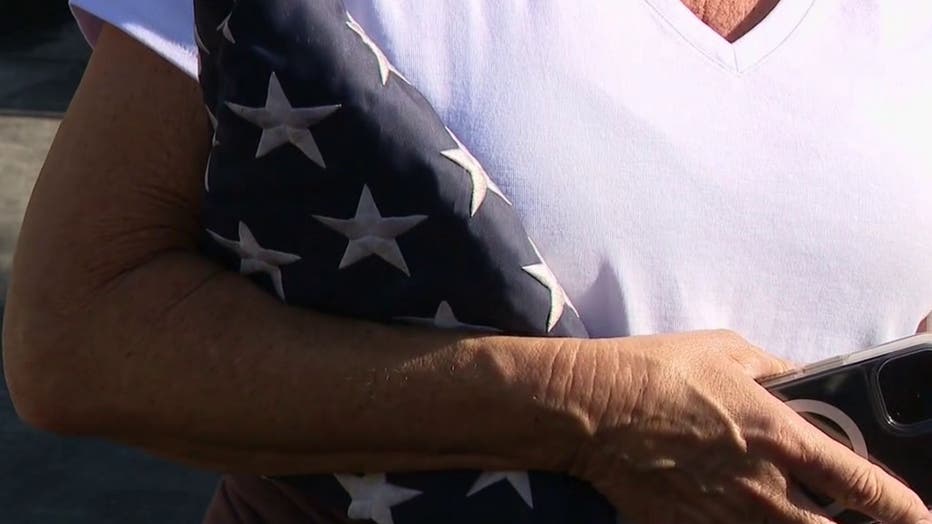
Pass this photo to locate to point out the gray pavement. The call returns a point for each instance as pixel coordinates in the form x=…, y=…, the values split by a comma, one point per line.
x=46, y=479
x=23, y=143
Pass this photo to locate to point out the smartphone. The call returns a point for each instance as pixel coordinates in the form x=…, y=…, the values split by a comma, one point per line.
x=879, y=403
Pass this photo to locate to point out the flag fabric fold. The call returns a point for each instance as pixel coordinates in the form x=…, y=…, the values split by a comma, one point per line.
x=334, y=185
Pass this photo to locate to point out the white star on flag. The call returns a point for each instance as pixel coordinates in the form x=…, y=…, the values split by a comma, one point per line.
x=212, y=119
x=213, y=143
x=385, y=67
x=210, y=156
x=372, y=497
x=256, y=259
x=518, y=480
x=200, y=41
x=282, y=123
x=224, y=27
x=444, y=318
x=370, y=233
x=558, y=297
x=481, y=182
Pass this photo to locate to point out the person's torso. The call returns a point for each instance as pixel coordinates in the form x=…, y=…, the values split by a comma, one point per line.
x=780, y=186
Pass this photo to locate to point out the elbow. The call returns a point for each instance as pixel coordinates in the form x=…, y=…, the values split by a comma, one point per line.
x=39, y=366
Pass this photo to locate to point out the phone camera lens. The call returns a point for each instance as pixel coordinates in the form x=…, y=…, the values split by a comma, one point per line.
x=906, y=388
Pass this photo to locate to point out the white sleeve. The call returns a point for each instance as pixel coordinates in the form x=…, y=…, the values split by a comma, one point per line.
x=165, y=26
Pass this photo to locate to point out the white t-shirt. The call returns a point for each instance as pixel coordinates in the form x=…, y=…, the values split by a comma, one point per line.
x=780, y=186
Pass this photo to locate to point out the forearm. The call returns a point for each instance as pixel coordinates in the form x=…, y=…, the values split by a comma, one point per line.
x=208, y=361
x=116, y=327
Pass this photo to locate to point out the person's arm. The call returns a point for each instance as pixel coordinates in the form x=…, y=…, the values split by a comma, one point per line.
x=116, y=327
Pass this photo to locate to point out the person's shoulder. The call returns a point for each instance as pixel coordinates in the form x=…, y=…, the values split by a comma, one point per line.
x=166, y=26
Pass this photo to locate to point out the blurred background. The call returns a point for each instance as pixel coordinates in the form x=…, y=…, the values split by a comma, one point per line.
x=43, y=478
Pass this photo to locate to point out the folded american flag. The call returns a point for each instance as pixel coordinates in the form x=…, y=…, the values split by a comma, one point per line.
x=334, y=185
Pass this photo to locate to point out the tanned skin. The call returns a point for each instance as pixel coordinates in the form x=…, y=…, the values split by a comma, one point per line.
x=117, y=327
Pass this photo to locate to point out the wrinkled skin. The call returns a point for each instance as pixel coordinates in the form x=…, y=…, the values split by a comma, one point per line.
x=701, y=441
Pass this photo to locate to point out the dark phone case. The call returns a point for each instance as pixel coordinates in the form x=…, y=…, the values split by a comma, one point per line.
x=842, y=398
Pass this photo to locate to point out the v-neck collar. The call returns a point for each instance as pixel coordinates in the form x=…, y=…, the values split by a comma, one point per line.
x=747, y=51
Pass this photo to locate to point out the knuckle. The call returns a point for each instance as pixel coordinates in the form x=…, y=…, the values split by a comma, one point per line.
x=803, y=442
x=784, y=439
x=768, y=431
x=864, y=489
x=779, y=437
x=759, y=498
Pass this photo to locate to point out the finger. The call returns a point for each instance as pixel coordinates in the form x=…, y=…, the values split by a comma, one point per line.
x=801, y=499
x=680, y=503
x=770, y=491
x=758, y=364
x=708, y=500
x=785, y=510
x=796, y=514
x=825, y=465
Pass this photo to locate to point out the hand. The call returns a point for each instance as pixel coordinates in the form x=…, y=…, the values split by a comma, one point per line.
x=683, y=433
